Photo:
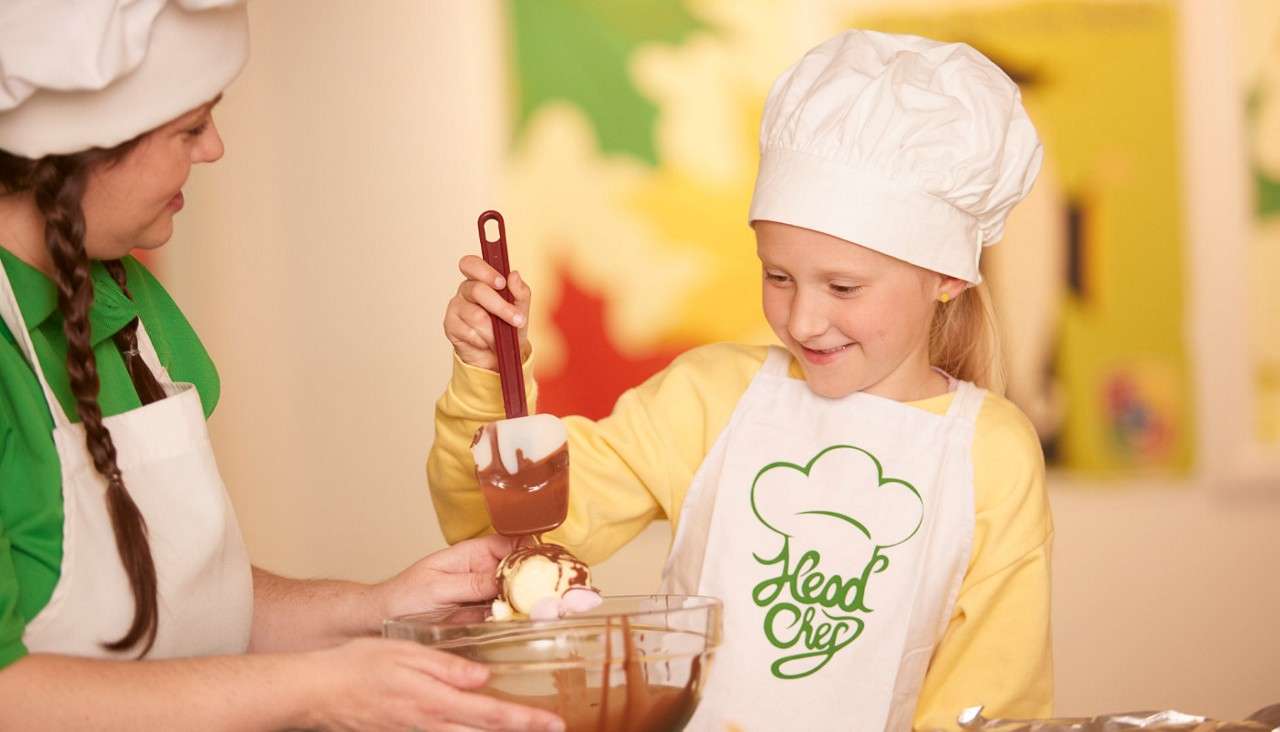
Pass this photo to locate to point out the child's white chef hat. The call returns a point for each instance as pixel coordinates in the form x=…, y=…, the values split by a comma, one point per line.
x=77, y=74
x=911, y=147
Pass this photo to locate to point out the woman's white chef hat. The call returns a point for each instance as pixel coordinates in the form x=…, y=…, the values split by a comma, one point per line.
x=914, y=148
x=78, y=74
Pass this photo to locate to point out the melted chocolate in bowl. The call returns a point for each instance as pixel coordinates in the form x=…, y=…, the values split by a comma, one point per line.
x=532, y=500
x=635, y=664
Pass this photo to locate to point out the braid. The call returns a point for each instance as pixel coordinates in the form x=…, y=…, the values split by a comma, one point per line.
x=144, y=382
x=58, y=183
x=115, y=268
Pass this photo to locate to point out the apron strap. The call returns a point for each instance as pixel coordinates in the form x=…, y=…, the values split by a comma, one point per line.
x=967, y=402
x=147, y=350
x=777, y=362
x=12, y=314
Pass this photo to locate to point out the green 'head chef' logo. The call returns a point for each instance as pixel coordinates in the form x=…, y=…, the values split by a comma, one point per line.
x=841, y=506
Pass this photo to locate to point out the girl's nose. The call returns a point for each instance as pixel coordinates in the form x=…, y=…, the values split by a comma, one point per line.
x=807, y=320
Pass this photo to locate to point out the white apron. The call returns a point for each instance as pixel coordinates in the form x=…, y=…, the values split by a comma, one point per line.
x=205, y=589
x=837, y=532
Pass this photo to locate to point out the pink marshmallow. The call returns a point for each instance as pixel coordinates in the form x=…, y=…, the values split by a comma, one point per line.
x=580, y=600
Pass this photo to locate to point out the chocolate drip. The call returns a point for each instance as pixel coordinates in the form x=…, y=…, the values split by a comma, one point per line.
x=638, y=705
x=530, y=501
x=645, y=707
x=603, y=724
x=637, y=688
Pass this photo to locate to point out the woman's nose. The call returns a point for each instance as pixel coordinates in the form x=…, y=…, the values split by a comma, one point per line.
x=210, y=147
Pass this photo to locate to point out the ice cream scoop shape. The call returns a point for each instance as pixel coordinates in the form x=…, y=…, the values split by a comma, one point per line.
x=543, y=581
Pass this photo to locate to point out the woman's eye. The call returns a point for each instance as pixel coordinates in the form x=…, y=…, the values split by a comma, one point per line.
x=775, y=277
x=198, y=129
x=845, y=289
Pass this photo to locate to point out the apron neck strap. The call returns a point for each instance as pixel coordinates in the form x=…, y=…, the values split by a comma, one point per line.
x=967, y=402
x=777, y=362
x=12, y=314
x=147, y=350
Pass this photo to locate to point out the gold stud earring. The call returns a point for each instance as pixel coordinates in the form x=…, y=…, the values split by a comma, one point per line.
x=944, y=298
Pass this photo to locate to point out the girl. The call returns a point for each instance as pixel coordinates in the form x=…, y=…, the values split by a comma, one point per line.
x=117, y=540
x=872, y=514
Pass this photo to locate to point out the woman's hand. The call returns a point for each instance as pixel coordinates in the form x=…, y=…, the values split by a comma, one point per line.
x=303, y=615
x=363, y=684
x=464, y=572
x=377, y=684
x=466, y=319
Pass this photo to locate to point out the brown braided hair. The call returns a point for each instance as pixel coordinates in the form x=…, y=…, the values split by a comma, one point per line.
x=58, y=184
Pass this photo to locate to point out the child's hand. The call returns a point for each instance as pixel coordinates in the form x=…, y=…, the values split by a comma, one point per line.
x=466, y=320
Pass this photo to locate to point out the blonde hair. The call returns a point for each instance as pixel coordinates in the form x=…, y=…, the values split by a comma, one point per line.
x=965, y=342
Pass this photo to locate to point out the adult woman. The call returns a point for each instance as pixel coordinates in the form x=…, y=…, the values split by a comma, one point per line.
x=117, y=540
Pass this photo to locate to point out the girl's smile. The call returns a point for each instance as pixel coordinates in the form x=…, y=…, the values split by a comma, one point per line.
x=824, y=356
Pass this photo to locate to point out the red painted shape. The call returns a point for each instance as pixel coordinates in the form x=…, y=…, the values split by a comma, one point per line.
x=595, y=372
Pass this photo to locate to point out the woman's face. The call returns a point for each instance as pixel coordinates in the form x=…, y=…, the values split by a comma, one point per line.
x=131, y=203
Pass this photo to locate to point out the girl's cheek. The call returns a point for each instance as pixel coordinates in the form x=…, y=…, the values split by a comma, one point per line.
x=774, y=304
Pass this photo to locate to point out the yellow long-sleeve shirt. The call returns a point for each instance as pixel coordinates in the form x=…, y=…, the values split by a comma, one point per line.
x=636, y=464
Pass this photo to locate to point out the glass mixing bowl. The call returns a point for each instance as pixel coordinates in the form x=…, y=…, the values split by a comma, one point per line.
x=634, y=664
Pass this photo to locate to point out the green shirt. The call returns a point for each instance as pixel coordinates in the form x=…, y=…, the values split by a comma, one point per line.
x=30, y=477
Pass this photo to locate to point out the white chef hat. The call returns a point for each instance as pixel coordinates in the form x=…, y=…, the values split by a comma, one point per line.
x=77, y=74
x=911, y=147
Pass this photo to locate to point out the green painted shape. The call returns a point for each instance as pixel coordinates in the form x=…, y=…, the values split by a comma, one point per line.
x=1266, y=190
x=578, y=51
x=1267, y=194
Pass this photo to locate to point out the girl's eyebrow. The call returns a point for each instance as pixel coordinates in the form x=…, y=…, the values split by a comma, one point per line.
x=829, y=273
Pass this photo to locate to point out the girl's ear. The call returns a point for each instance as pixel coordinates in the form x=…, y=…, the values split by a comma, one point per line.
x=949, y=288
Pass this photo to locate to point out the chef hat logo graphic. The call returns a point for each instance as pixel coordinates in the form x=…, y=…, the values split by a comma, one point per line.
x=840, y=504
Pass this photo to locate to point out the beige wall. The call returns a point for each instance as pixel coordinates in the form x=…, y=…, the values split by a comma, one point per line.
x=316, y=259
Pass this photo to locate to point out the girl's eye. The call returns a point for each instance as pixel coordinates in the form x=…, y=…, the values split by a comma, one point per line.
x=845, y=290
x=775, y=277
x=198, y=129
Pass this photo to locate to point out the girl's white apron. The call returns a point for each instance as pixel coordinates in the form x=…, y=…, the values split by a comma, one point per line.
x=837, y=533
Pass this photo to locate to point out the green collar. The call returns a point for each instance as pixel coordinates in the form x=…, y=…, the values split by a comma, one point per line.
x=38, y=298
